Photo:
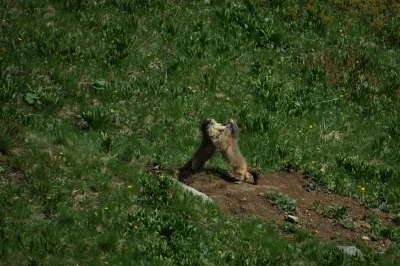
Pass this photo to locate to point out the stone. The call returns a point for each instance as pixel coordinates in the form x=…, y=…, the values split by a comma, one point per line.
x=350, y=250
x=365, y=238
x=292, y=219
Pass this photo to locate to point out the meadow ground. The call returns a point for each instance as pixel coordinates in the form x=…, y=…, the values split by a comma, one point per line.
x=91, y=92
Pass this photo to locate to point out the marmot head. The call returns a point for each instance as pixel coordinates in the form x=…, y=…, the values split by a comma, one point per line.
x=233, y=127
x=211, y=128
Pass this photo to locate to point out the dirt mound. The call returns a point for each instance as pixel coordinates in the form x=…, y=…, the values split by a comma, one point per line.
x=249, y=199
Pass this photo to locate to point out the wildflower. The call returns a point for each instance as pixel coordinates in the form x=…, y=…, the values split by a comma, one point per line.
x=228, y=99
x=316, y=231
x=312, y=162
x=362, y=189
x=299, y=78
x=341, y=35
x=312, y=49
x=359, y=186
x=341, y=96
x=300, y=131
x=142, y=71
x=340, y=31
x=318, y=148
x=135, y=227
x=189, y=87
x=310, y=126
x=115, y=92
x=105, y=208
x=61, y=153
x=206, y=89
x=130, y=186
x=106, y=262
x=27, y=248
x=49, y=197
x=322, y=170
x=19, y=39
x=4, y=20
x=149, y=54
x=194, y=91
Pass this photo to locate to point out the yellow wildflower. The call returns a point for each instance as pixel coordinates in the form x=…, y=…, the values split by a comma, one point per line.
x=322, y=170
x=300, y=131
x=105, y=208
x=341, y=31
x=318, y=148
x=19, y=39
x=341, y=96
x=363, y=189
x=228, y=99
x=129, y=186
x=312, y=162
x=49, y=197
x=61, y=153
x=310, y=126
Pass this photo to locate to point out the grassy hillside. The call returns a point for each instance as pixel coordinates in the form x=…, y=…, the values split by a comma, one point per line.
x=93, y=91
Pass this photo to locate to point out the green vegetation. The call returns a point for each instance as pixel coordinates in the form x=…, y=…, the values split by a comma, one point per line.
x=92, y=91
x=284, y=202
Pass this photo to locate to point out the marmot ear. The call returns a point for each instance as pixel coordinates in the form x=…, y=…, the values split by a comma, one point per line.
x=233, y=127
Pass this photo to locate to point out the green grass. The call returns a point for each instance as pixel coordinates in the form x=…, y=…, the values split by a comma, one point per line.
x=92, y=91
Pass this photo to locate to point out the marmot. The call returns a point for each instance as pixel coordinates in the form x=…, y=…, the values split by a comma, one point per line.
x=209, y=129
x=222, y=137
x=226, y=142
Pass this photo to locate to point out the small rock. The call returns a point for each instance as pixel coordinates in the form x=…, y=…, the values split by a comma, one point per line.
x=243, y=199
x=365, y=224
x=350, y=250
x=366, y=238
x=292, y=219
x=219, y=96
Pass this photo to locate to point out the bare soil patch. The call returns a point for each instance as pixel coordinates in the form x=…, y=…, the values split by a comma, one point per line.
x=250, y=200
